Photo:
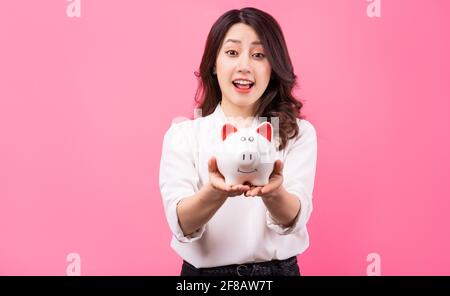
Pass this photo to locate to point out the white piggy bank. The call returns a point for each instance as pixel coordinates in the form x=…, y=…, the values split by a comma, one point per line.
x=246, y=155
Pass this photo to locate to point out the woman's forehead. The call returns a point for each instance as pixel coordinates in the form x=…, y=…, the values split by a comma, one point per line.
x=241, y=33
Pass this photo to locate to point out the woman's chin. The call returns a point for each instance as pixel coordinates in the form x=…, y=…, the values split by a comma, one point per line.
x=244, y=103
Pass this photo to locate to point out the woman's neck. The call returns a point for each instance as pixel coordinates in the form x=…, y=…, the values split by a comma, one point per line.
x=231, y=110
x=238, y=116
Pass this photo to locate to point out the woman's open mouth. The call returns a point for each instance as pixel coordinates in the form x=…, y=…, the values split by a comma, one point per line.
x=243, y=85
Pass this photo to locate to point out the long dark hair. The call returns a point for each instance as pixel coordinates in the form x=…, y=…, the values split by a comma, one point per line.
x=277, y=100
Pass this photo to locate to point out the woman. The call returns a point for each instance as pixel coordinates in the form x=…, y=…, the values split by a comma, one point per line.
x=245, y=74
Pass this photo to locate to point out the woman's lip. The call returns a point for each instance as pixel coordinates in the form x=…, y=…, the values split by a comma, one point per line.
x=239, y=90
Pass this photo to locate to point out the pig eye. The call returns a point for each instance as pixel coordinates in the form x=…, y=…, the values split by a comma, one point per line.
x=243, y=139
x=251, y=139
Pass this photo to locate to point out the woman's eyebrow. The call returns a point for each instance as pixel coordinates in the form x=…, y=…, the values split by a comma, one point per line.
x=238, y=41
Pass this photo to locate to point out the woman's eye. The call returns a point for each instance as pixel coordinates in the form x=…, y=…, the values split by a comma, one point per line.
x=259, y=55
x=231, y=52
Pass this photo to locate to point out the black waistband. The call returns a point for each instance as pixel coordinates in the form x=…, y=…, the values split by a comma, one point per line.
x=245, y=268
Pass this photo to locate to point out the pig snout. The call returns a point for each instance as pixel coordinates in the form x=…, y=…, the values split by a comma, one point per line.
x=248, y=159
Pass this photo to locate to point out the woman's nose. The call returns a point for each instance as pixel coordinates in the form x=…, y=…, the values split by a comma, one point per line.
x=244, y=64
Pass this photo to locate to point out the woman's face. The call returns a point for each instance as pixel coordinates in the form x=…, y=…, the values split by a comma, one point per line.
x=242, y=68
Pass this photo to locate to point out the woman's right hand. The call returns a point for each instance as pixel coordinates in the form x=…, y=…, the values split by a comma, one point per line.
x=217, y=181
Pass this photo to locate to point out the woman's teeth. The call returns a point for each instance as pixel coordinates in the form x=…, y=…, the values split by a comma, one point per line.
x=243, y=84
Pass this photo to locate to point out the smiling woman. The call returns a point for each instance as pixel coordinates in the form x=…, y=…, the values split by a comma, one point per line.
x=220, y=227
x=242, y=67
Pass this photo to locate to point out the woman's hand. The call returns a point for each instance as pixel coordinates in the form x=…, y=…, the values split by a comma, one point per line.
x=272, y=188
x=217, y=181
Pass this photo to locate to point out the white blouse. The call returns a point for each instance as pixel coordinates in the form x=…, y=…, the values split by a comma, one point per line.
x=242, y=230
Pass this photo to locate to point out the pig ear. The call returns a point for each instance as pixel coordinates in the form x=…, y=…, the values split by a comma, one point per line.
x=227, y=130
x=265, y=130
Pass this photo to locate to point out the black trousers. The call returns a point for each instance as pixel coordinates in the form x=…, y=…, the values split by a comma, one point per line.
x=287, y=267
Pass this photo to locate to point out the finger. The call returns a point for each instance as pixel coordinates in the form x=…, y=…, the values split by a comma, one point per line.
x=213, y=168
x=257, y=191
x=221, y=185
x=242, y=188
x=265, y=189
x=224, y=187
x=271, y=186
x=280, y=166
x=211, y=165
x=236, y=187
x=248, y=193
x=235, y=190
x=237, y=193
x=254, y=191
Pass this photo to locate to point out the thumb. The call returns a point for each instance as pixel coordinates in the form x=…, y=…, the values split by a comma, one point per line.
x=279, y=167
x=212, y=165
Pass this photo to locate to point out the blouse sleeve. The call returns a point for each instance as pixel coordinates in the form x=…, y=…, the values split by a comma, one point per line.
x=299, y=174
x=178, y=176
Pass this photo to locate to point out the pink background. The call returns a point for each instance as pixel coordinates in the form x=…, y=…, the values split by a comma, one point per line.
x=85, y=102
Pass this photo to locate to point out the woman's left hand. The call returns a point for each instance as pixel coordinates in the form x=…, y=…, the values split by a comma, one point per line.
x=272, y=188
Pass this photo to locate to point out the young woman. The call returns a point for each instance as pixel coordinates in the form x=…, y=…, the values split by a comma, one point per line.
x=245, y=73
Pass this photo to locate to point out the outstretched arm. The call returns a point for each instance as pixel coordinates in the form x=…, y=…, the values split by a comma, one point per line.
x=282, y=205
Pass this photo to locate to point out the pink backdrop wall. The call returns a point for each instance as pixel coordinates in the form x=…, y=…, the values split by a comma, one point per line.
x=85, y=102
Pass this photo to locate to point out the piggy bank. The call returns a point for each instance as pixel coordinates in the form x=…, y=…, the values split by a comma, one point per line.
x=246, y=155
